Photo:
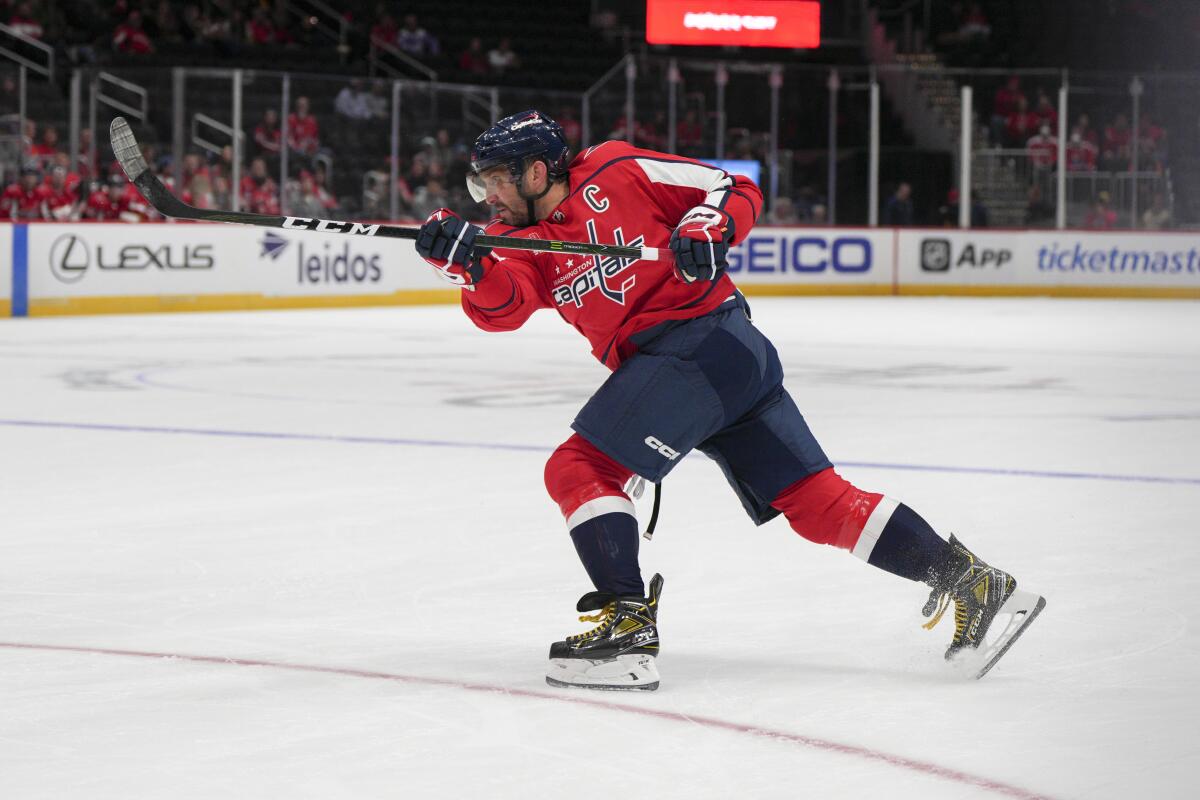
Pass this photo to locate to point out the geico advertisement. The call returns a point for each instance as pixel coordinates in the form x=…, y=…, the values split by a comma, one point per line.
x=165, y=259
x=954, y=257
x=813, y=255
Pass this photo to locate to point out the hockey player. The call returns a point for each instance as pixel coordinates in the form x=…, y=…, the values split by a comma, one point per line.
x=690, y=371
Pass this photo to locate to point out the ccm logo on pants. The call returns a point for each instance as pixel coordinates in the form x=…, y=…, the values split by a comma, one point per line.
x=670, y=453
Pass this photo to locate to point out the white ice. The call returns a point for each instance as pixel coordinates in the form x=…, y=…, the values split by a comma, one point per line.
x=393, y=568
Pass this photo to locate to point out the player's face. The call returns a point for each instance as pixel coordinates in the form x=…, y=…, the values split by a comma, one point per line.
x=500, y=192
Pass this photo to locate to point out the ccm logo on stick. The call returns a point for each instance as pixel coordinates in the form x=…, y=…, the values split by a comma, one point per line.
x=329, y=225
x=670, y=453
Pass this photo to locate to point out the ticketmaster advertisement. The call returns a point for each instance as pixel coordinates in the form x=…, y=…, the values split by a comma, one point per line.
x=1050, y=262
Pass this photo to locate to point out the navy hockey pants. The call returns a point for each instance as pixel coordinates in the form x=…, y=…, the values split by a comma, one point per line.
x=713, y=383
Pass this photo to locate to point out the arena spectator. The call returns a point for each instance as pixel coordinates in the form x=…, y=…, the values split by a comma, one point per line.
x=948, y=213
x=1021, y=124
x=384, y=31
x=1118, y=144
x=130, y=39
x=899, y=208
x=429, y=198
x=1004, y=104
x=1157, y=217
x=474, y=60
x=572, y=130
x=304, y=135
x=24, y=22
x=782, y=213
x=221, y=193
x=1152, y=144
x=167, y=27
x=502, y=59
x=1083, y=124
x=267, y=134
x=351, y=102
x=44, y=150
x=320, y=180
x=63, y=201
x=1046, y=113
x=110, y=202
x=1101, y=217
x=27, y=198
x=688, y=133
x=260, y=30
x=198, y=192
x=1081, y=154
x=416, y=41
x=379, y=101
x=975, y=25
x=1038, y=213
x=260, y=194
x=819, y=214
x=1043, y=149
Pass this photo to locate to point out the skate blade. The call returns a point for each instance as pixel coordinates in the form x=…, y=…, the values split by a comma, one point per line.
x=1017, y=613
x=636, y=672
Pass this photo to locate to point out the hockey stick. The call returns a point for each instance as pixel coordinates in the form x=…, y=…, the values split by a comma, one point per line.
x=129, y=155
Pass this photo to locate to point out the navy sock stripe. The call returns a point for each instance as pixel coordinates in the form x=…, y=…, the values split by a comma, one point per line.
x=908, y=546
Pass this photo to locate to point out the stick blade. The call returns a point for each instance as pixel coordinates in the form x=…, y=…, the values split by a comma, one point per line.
x=125, y=148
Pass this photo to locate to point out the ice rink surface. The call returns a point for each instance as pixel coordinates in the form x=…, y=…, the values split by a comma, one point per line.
x=309, y=555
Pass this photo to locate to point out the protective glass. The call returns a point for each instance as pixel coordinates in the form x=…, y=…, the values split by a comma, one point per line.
x=480, y=186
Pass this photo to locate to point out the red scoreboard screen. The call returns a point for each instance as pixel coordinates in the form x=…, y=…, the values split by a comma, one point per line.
x=746, y=23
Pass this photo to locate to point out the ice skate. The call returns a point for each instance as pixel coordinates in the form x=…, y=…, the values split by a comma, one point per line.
x=989, y=612
x=619, y=653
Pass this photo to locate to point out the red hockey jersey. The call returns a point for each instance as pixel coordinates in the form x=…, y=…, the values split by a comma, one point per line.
x=618, y=194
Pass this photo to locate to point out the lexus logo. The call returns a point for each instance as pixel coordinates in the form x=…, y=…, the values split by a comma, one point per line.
x=70, y=257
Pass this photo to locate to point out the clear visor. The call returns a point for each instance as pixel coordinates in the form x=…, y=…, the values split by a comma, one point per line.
x=485, y=185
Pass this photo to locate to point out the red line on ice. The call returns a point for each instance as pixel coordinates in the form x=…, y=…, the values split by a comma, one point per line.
x=913, y=765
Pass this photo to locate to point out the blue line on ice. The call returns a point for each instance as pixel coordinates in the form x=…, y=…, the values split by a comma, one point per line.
x=533, y=448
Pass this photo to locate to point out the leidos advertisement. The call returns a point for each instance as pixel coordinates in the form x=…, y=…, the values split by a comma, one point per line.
x=173, y=260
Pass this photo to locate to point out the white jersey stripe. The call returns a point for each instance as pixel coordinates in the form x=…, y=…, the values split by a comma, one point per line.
x=874, y=527
x=680, y=173
x=608, y=504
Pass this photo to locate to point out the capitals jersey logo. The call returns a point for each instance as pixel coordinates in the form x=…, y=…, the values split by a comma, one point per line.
x=597, y=273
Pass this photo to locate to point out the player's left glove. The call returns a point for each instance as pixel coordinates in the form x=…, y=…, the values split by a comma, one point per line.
x=701, y=243
x=447, y=242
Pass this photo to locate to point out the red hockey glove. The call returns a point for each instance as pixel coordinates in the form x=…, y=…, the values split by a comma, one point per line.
x=447, y=242
x=700, y=243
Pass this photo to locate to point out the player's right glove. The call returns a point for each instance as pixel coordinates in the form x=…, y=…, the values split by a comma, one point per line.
x=447, y=242
x=700, y=243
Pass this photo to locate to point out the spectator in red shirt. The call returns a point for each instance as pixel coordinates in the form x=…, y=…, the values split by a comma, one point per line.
x=109, y=203
x=1101, y=217
x=303, y=132
x=1084, y=125
x=1081, y=154
x=267, y=134
x=130, y=39
x=260, y=30
x=260, y=194
x=45, y=150
x=474, y=60
x=1046, y=112
x=23, y=21
x=62, y=200
x=26, y=199
x=572, y=130
x=1118, y=143
x=384, y=32
x=1021, y=124
x=1005, y=103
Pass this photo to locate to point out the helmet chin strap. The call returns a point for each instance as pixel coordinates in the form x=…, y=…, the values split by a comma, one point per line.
x=531, y=198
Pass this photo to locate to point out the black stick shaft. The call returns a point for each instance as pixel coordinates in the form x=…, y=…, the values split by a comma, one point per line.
x=129, y=155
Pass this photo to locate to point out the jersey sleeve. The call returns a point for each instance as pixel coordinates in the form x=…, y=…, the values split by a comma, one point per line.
x=512, y=289
x=680, y=184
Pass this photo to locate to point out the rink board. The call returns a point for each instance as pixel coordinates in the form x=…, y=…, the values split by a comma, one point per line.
x=117, y=268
